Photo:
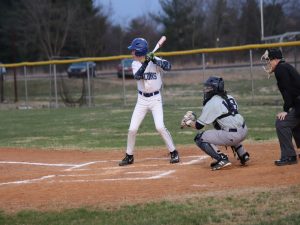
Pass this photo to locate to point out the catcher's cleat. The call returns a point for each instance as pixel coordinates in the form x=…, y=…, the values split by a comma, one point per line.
x=223, y=162
x=129, y=159
x=244, y=158
x=174, y=157
x=223, y=156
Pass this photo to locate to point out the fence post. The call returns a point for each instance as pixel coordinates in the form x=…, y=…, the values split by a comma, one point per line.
x=251, y=74
x=50, y=85
x=203, y=66
x=89, y=83
x=123, y=81
x=1, y=84
x=55, y=86
x=25, y=82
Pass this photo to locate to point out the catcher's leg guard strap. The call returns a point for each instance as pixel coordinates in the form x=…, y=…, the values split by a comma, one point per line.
x=239, y=150
x=207, y=147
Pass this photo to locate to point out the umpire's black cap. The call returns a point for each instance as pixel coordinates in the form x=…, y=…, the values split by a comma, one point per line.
x=274, y=53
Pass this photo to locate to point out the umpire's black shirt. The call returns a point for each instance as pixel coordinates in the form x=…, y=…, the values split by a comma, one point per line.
x=288, y=82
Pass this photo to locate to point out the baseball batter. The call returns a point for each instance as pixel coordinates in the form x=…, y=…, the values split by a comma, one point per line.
x=221, y=110
x=147, y=70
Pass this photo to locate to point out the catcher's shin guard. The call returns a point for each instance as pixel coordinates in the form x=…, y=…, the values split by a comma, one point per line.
x=207, y=147
x=243, y=156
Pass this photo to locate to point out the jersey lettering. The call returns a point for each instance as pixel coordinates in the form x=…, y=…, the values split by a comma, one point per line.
x=150, y=76
x=233, y=106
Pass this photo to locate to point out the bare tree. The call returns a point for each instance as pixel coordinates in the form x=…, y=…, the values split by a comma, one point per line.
x=249, y=23
x=46, y=22
x=183, y=22
x=144, y=27
x=88, y=32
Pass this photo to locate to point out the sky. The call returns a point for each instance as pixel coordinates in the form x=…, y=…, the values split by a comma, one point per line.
x=123, y=11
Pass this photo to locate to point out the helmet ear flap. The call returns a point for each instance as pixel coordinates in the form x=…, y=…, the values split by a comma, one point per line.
x=221, y=85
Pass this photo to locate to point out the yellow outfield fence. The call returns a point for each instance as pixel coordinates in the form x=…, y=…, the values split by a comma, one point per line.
x=173, y=53
x=47, y=84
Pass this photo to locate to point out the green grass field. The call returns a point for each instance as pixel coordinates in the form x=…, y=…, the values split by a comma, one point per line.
x=98, y=128
x=105, y=127
x=278, y=206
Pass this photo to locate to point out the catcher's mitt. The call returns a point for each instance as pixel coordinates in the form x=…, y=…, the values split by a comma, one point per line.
x=188, y=119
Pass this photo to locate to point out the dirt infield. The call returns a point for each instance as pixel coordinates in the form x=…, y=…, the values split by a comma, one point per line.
x=54, y=180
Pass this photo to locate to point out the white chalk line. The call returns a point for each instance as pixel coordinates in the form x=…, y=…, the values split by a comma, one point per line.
x=38, y=164
x=80, y=165
x=160, y=174
x=162, y=158
x=199, y=159
x=72, y=166
x=29, y=181
x=84, y=164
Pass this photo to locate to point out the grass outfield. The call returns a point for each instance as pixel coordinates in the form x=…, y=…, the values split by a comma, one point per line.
x=98, y=128
x=102, y=128
x=278, y=206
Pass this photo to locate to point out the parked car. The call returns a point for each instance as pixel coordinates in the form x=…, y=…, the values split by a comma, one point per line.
x=80, y=69
x=2, y=70
x=126, y=65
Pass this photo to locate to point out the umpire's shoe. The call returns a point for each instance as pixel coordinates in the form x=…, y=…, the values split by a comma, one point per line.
x=129, y=159
x=286, y=161
x=223, y=162
x=174, y=157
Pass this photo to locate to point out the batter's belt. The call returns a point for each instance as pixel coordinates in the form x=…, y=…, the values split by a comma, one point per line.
x=148, y=94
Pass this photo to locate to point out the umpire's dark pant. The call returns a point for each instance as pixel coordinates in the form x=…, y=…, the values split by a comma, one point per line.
x=284, y=132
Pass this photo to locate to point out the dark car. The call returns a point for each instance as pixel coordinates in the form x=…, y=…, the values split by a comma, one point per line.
x=125, y=65
x=80, y=69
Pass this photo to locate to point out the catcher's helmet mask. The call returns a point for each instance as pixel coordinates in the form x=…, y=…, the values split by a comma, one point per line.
x=139, y=46
x=213, y=86
x=271, y=54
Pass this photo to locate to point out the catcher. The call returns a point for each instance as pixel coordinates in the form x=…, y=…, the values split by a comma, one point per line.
x=220, y=110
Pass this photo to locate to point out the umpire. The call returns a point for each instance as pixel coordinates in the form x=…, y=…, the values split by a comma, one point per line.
x=287, y=122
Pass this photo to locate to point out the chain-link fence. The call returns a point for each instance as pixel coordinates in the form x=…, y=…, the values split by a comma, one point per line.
x=52, y=85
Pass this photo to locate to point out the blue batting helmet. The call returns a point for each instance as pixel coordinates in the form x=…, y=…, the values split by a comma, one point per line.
x=140, y=45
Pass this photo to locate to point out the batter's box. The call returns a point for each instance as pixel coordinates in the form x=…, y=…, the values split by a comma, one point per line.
x=103, y=177
x=143, y=175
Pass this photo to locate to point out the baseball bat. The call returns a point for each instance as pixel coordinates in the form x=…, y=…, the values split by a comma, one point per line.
x=159, y=43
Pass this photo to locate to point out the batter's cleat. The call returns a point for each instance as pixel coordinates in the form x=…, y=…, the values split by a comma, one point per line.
x=286, y=161
x=223, y=162
x=174, y=157
x=129, y=159
x=244, y=158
